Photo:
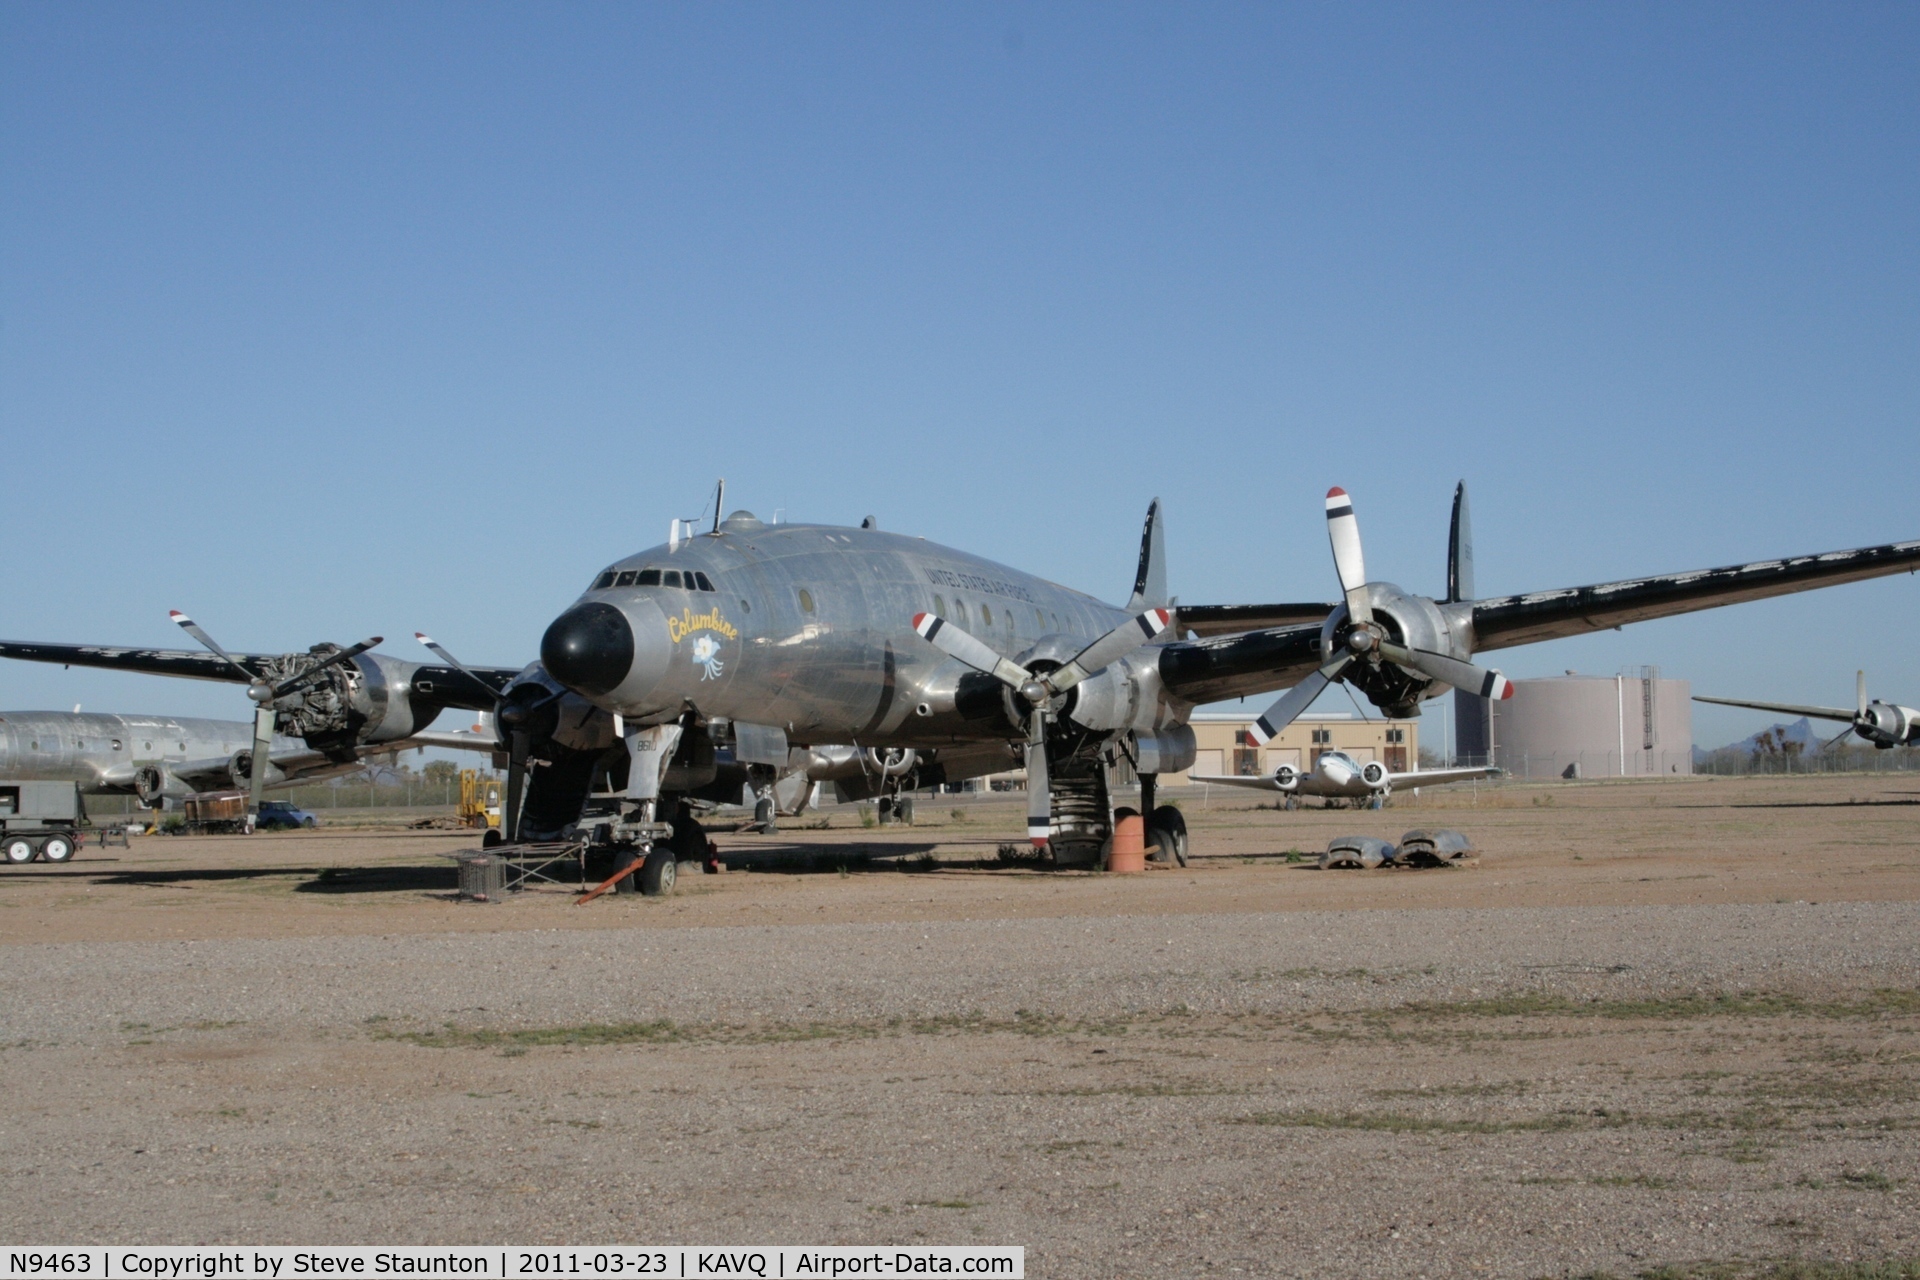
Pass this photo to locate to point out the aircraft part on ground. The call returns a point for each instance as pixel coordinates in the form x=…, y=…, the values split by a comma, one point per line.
x=1356, y=853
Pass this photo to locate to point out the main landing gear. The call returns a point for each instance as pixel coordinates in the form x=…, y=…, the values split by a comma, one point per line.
x=659, y=861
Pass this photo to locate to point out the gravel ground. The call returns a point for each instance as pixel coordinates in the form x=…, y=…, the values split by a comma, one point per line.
x=1671, y=1051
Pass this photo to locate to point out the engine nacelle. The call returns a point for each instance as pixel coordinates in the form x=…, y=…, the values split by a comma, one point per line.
x=1887, y=725
x=153, y=783
x=1374, y=773
x=240, y=769
x=1417, y=622
x=1287, y=778
x=1168, y=750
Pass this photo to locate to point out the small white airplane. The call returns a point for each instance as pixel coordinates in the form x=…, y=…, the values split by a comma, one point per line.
x=1340, y=779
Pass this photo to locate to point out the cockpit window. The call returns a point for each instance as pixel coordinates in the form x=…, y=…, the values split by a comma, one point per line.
x=648, y=578
x=604, y=581
x=625, y=579
x=706, y=584
x=670, y=578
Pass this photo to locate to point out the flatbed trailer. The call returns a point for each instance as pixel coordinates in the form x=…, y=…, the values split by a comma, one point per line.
x=40, y=821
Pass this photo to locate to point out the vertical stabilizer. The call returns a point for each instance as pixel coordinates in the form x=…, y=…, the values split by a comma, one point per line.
x=1460, y=549
x=1150, y=580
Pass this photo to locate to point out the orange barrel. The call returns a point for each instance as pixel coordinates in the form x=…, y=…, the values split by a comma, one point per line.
x=1129, y=851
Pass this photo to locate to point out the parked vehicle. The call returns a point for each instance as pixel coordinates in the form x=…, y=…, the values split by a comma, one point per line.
x=209, y=812
x=40, y=820
x=283, y=814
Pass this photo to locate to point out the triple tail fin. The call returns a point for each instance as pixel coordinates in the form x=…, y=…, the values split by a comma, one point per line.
x=1150, y=580
x=1460, y=549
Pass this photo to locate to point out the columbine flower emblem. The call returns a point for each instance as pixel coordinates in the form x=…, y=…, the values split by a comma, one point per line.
x=706, y=655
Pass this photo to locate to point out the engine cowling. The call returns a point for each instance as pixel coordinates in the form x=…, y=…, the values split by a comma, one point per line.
x=240, y=769
x=1287, y=778
x=1166, y=750
x=152, y=782
x=891, y=762
x=1373, y=774
x=1887, y=725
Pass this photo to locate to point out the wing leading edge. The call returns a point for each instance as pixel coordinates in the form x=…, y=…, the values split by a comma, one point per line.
x=1551, y=615
x=1785, y=709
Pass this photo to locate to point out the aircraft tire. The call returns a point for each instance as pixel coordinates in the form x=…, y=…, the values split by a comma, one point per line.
x=903, y=810
x=1168, y=829
x=491, y=838
x=764, y=817
x=58, y=848
x=20, y=850
x=1290, y=803
x=658, y=873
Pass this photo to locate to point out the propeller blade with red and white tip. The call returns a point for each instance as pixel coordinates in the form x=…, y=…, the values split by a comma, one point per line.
x=976, y=653
x=192, y=628
x=1481, y=681
x=1039, y=794
x=1343, y=531
x=1296, y=700
x=311, y=674
x=1109, y=649
x=1860, y=695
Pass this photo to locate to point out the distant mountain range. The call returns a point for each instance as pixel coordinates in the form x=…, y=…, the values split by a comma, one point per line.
x=1798, y=738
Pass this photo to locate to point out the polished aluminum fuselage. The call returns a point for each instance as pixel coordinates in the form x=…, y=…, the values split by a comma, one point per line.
x=809, y=629
x=103, y=752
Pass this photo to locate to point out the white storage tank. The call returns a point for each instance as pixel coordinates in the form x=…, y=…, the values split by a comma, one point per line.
x=1582, y=726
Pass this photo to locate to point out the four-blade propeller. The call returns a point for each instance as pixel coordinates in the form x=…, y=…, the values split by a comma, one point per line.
x=1042, y=689
x=1366, y=639
x=264, y=693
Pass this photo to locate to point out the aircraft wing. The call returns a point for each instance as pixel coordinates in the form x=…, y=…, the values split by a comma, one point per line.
x=444, y=686
x=1818, y=713
x=1550, y=615
x=191, y=664
x=1233, y=666
x=1435, y=777
x=1258, y=781
x=1228, y=619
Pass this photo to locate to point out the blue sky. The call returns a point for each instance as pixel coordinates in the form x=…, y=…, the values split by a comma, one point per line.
x=318, y=321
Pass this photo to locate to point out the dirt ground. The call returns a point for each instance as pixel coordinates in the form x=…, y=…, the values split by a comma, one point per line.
x=1656, y=1023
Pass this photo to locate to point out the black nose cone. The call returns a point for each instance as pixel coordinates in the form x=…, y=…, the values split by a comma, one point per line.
x=589, y=648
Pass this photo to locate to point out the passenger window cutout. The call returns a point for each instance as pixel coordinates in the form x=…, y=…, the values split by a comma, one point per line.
x=939, y=606
x=648, y=578
x=625, y=579
x=986, y=616
x=1039, y=619
x=960, y=613
x=706, y=584
x=604, y=581
x=806, y=601
x=116, y=744
x=670, y=578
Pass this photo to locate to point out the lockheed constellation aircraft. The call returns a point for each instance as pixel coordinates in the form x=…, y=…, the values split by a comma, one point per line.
x=157, y=758
x=944, y=664
x=1340, y=779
